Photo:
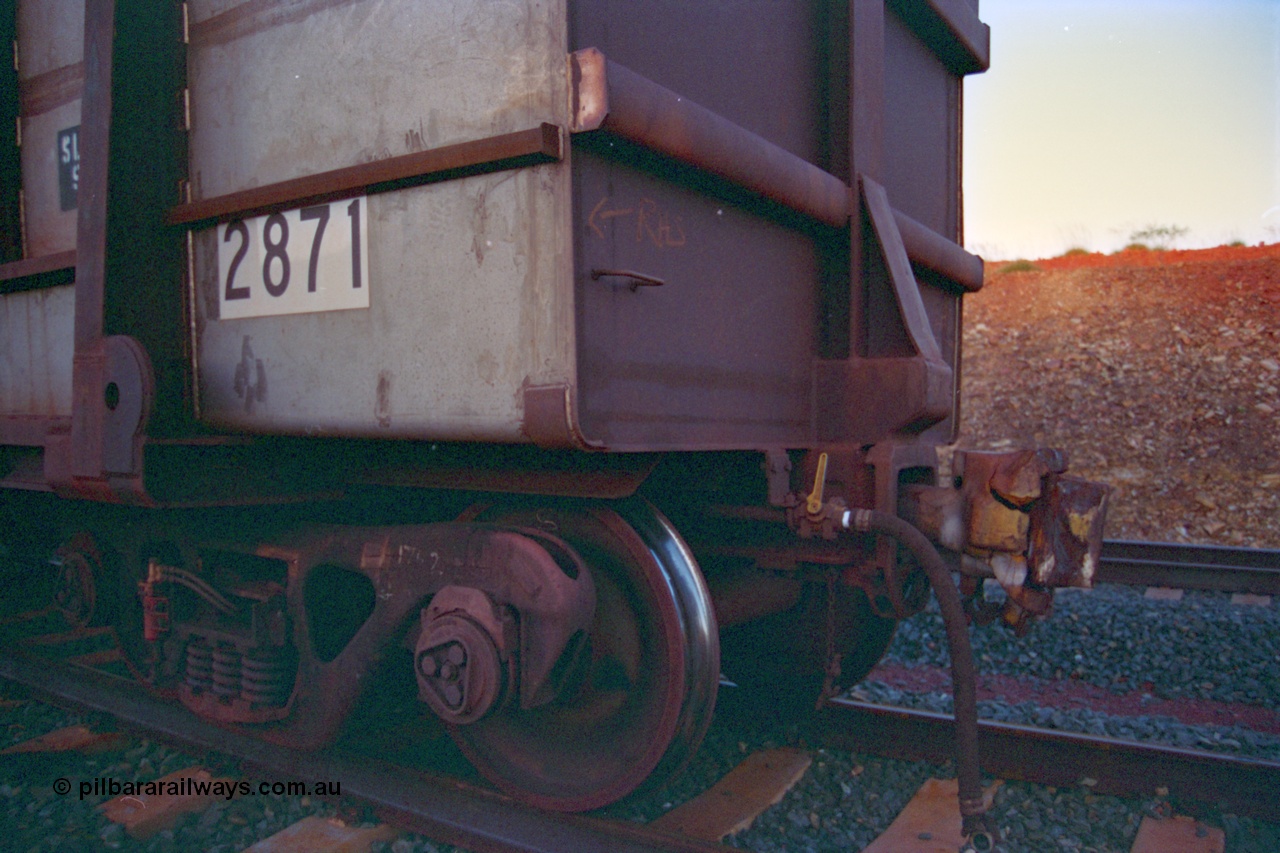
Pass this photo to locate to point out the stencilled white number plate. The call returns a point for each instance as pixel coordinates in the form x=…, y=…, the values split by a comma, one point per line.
x=295, y=262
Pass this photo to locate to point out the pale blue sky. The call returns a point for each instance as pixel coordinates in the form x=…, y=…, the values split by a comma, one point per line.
x=1102, y=117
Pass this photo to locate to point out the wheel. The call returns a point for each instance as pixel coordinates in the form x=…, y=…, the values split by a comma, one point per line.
x=79, y=565
x=782, y=658
x=639, y=699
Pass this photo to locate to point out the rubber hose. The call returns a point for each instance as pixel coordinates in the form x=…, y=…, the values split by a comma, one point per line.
x=963, y=676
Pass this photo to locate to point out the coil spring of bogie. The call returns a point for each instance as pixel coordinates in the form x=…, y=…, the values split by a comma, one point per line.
x=199, y=665
x=267, y=676
x=263, y=676
x=226, y=671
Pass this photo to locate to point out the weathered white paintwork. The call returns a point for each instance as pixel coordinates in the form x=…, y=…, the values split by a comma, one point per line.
x=50, y=40
x=486, y=258
x=36, y=329
x=36, y=326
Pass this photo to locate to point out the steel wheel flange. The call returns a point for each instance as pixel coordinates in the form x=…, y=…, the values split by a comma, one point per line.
x=638, y=699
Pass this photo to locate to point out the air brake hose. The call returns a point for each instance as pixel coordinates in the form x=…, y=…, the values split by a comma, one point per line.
x=963, y=677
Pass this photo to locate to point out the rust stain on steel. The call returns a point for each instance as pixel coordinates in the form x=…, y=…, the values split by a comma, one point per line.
x=540, y=144
x=513, y=470
x=936, y=253
x=250, y=380
x=50, y=90
x=1037, y=529
x=462, y=655
x=999, y=489
x=551, y=417
x=525, y=570
x=382, y=409
x=589, y=90
x=995, y=527
x=609, y=96
x=1066, y=538
x=787, y=179
x=636, y=279
x=1018, y=478
x=905, y=287
x=61, y=267
x=255, y=16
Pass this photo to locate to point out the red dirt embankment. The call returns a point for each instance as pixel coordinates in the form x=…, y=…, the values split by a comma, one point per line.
x=1159, y=372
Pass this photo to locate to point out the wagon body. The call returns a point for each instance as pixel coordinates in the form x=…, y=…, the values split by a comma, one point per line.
x=499, y=304
x=580, y=225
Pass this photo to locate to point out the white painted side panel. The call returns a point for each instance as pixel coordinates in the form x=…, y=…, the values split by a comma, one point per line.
x=470, y=280
x=50, y=37
x=49, y=228
x=336, y=84
x=36, y=348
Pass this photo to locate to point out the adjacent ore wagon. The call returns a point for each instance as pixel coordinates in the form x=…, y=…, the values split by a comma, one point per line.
x=549, y=357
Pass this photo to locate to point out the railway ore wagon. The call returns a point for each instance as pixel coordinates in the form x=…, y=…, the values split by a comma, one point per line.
x=530, y=363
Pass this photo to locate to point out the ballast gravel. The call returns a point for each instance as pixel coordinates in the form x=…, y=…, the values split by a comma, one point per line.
x=1200, y=647
x=1114, y=637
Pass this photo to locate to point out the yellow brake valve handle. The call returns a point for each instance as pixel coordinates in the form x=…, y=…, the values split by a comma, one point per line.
x=812, y=514
x=813, y=504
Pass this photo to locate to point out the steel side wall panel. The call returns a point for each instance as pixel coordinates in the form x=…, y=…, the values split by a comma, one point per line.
x=720, y=357
x=49, y=228
x=752, y=61
x=716, y=358
x=37, y=326
x=50, y=35
x=921, y=131
x=50, y=39
x=470, y=279
x=36, y=346
x=922, y=141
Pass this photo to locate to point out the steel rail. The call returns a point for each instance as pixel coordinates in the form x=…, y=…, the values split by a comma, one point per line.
x=1064, y=759
x=442, y=808
x=1204, y=567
